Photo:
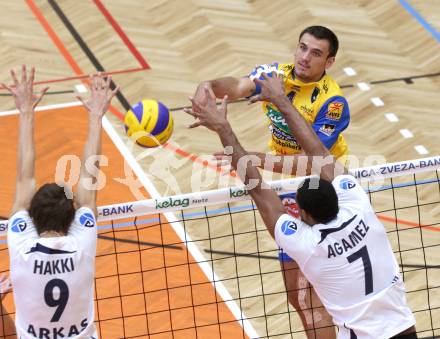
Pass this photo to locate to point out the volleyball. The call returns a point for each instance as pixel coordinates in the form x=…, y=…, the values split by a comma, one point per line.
x=149, y=122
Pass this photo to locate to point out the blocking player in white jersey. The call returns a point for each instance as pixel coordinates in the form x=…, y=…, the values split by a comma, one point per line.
x=338, y=242
x=51, y=236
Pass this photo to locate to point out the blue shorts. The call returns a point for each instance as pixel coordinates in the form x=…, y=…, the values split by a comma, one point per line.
x=283, y=256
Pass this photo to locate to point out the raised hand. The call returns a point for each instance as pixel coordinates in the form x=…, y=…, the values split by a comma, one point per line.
x=272, y=88
x=206, y=111
x=200, y=95
x=101, y=95
x=23, y=91
x=5, y=285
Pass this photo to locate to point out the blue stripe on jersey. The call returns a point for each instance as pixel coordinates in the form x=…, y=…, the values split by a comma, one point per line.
x=47, y=250
x=328, y=128
x=327, y=231
x=284, y=257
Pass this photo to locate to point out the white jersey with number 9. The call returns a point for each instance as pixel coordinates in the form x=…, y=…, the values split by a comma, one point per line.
x=53, y=278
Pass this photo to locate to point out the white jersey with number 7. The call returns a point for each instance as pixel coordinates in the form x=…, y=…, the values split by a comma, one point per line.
x=350, y=263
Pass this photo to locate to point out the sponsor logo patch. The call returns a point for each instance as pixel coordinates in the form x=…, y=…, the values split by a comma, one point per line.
x=334, y=110
x=289, y=203
x=172, y=202
x=19, y=225
x=289, y=227
x=87, y=220
x=347, y=184
x=327, y=129
x=306, y=110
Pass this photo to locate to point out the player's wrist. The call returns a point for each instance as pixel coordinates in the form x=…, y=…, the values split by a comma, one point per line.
x=95, y=116
x=207, y=84
x=223, y=128
x=27, y=111
x=281, y=101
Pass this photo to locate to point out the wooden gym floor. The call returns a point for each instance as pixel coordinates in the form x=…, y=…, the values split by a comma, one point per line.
x=181, y=43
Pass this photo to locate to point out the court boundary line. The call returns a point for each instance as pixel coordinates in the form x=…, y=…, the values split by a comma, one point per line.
x=72, y=62
x=229, y=301
x=131, y=47
x=422, y=21
x=78, y=103
x=62, y=49
x=43, y=108
x=192, y=248
x=85, y=76
x=211, y=276
x=86, y=49
x=75, y=67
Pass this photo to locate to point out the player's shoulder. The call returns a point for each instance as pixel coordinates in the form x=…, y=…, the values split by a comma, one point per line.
x=350, y=191
x=21, y=213
x=85, y=217
x=19, y=221
x=330, y=87
x=345, y=182
x=288, y=226
x=21, y=231
x=287, y=68
x=296, y=238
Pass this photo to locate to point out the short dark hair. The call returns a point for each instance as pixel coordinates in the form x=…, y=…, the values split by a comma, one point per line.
x=51, y=210
x=321, y=32
x=319, y=199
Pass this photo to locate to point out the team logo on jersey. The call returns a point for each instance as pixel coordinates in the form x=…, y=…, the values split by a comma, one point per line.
x=87, y=220
x=315, y=94
x=334, y=110
x=287, y=67
x=325, y=87
x=289, y=227
x=327, y=129
x=19, y=225
x=347, y=184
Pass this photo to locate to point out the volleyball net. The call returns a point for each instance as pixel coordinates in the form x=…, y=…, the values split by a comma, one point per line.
x=202, y=265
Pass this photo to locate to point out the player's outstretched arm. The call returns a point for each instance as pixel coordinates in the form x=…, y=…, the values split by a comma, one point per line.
x=97, y=104
x=295, y=164
x=208, y=115
x=5, y=285
x=234, y=88
x=272, y=89
x=26, y=101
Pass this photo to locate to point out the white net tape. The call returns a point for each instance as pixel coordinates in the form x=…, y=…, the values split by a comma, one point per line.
x=239, y=193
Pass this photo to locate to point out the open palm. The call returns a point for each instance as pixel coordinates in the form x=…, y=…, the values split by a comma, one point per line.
x=23, y=92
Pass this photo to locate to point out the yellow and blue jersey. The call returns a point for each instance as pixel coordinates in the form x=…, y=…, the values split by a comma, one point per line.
x=320, y=103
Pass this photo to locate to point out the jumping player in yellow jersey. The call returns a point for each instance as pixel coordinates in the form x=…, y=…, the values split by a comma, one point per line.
x=318, y=98
x=338, y=241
